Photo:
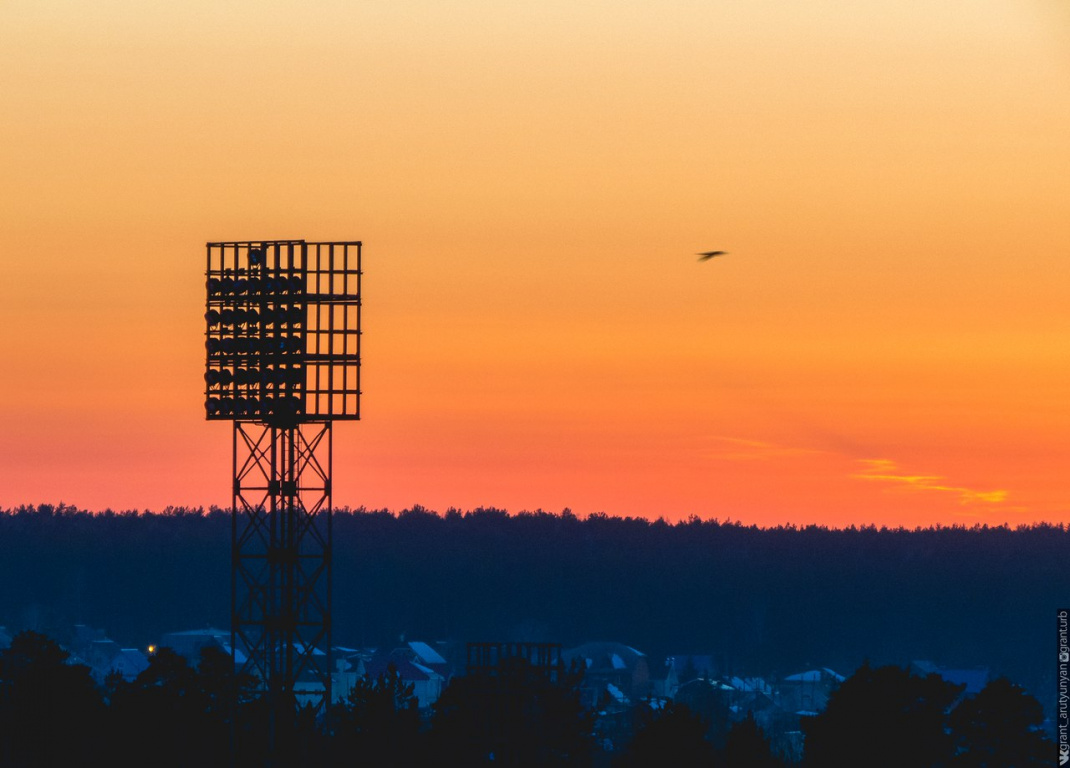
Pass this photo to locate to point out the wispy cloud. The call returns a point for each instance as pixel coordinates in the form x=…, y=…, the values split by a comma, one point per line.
x=887, y=471
x=739, y=449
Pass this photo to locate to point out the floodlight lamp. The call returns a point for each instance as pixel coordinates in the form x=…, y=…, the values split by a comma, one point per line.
x=245, y=316
x=291, y=404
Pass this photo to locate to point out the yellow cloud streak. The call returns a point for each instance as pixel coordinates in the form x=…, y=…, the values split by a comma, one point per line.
x=887, y=471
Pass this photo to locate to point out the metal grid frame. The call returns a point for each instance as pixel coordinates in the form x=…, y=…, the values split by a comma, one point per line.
x=332, y=330
x=282, y=332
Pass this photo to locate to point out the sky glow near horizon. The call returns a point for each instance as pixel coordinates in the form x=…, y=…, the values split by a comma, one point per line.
x=888, y=340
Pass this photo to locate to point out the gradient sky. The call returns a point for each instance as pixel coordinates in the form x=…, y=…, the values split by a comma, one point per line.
x=888, y=341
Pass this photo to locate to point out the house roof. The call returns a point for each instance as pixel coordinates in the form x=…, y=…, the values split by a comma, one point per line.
x=814, y=676
x=616, y=693
x=425, y=653
x=206, y=632
x=129, y=662
x=407, y=670
x=239, y=657
x=755, y=684
x=605, y=656
x=700, y=682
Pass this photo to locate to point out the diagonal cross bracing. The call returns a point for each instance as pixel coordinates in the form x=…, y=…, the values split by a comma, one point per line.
x=282, y=559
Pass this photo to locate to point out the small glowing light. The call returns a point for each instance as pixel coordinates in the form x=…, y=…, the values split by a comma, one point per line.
x=152, y=649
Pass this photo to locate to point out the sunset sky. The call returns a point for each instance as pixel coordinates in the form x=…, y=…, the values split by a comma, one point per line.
x=888, y=340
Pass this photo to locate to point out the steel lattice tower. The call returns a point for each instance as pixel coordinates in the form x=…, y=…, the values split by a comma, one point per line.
x=283, y=364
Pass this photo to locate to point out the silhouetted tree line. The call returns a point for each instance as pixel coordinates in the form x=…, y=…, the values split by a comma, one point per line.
x=52, y=713
x=769, y=601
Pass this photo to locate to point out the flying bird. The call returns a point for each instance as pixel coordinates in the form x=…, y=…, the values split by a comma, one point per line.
x=709, y=255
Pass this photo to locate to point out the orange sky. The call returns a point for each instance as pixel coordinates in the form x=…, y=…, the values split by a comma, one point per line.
x=887, y=342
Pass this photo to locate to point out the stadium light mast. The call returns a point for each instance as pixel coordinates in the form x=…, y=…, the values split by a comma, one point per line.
x=283, y=364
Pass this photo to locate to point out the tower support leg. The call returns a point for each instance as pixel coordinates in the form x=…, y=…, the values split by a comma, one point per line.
x=281, y=569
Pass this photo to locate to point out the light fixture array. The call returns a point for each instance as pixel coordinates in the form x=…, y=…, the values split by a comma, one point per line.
x=283, y=331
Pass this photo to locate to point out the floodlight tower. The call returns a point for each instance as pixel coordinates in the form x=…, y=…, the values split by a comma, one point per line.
x=283, y=364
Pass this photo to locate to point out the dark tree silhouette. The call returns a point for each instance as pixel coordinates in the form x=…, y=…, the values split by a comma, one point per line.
x=882, y=718
x=378, y=725
x=51, y=712
x=747, y=746
x=161, y=716
x=707, y=699
x=181, y=716
x=999, y=728
x=662, y=588
x=233, y=717
x=674, y=736
x=516, y=716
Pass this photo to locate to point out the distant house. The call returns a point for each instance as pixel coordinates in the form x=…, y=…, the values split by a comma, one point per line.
x=128, y=662
x=348, y=668
x=98, y=653
x=751, y=685
x=688, y=667
x=607, y=663
x=103, y=655
x=426, y=656
x=706, y=696
x=426, y=683
x=664, y=679
x=756, y=697
x=189, y=644
x=417, y=664
x=808, y=692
